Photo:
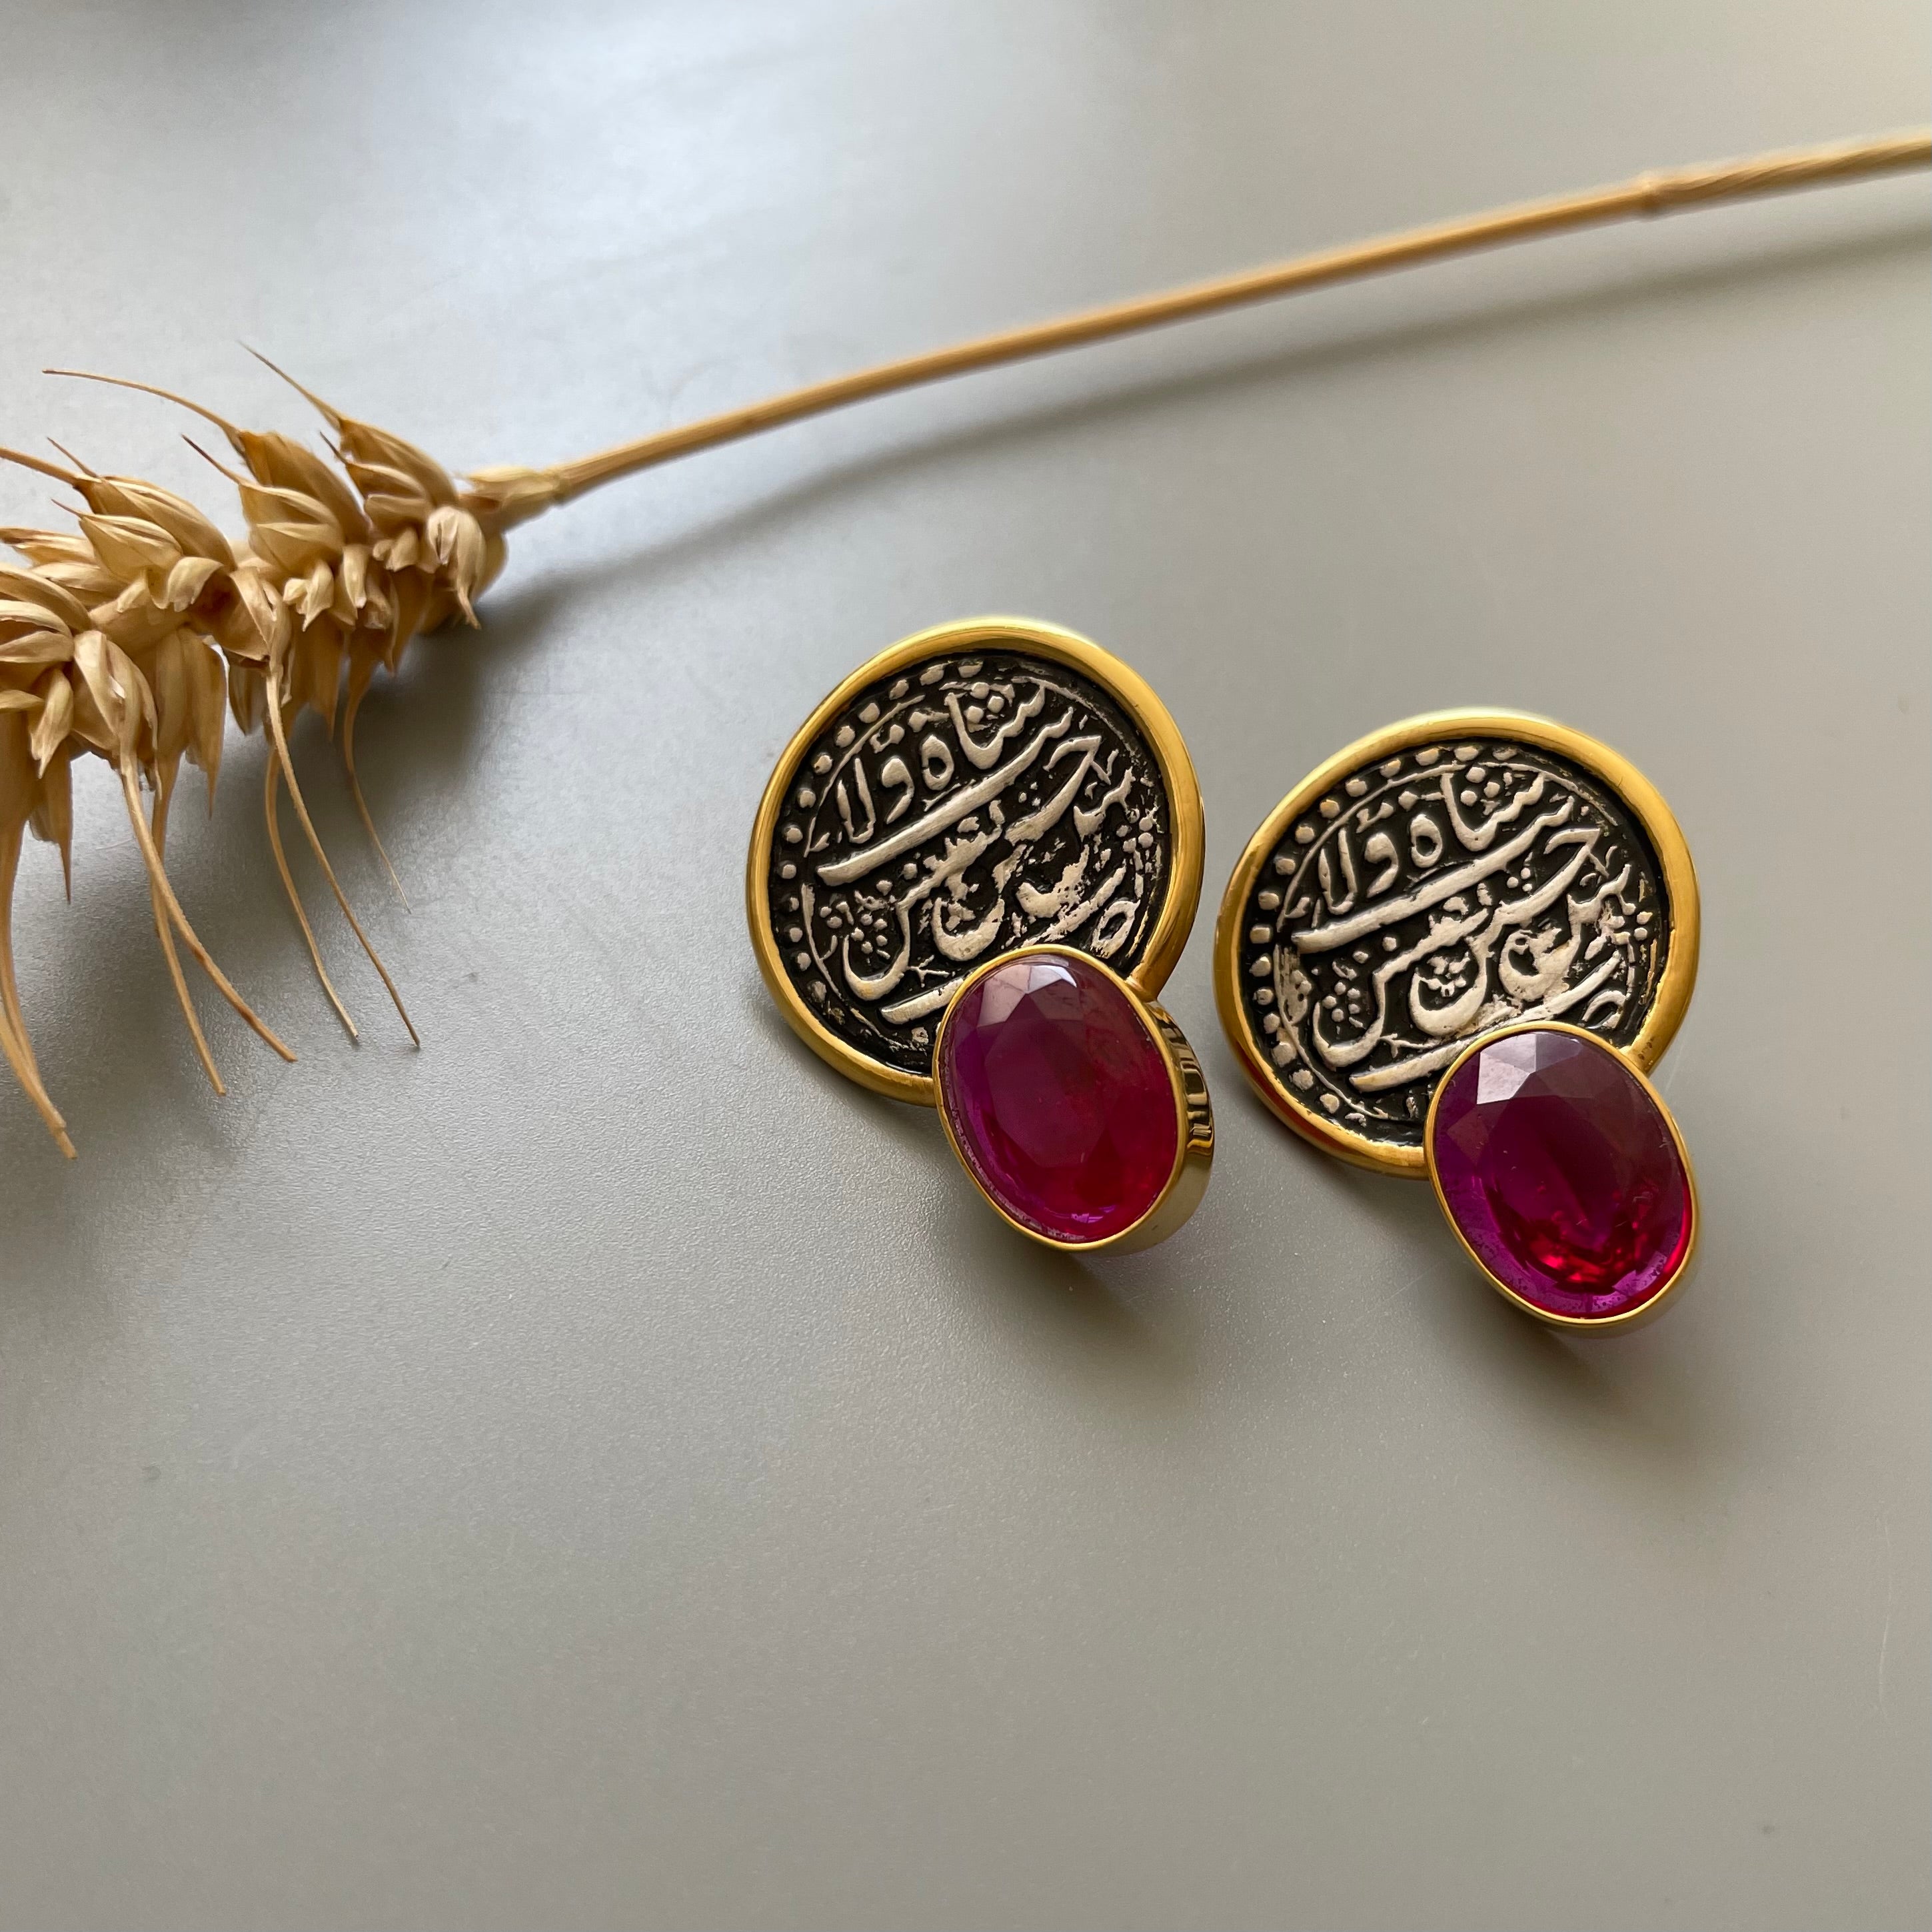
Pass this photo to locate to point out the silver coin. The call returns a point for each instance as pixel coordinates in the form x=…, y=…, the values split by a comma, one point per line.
x=959, y=807
x=1429, y=896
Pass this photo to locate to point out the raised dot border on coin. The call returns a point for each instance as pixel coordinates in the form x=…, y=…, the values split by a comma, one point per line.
x=1021, y=636
x=1635, y=792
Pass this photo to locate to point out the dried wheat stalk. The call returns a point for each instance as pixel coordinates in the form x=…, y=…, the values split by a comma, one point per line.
x=130, y=637
x=123, y=638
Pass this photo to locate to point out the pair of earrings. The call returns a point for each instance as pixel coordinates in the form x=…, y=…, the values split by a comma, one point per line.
x=1455, y=948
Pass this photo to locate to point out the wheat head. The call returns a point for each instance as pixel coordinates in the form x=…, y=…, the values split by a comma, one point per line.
x=134, y=636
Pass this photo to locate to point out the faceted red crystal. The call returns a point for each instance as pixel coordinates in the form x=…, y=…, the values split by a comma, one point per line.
x=1562, y=1173
x=1058, y=1097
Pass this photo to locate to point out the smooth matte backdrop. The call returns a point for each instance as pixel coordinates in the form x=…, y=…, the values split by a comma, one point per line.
x=605, y=1470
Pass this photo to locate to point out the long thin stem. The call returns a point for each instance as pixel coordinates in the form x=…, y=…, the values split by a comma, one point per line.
x=525, y=492
x=158, y=826
x=130, y=792
x=15, y=1047
x=281, y=743
x=272, y=777
x=10, y=986
x=361, y=670
x=14, y=1052
x=221, y=423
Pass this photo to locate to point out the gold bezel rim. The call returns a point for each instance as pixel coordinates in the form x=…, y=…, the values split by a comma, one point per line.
x=1193, y=1155
x=1122, y=683
x=1653, y=1304
x=1643, y=799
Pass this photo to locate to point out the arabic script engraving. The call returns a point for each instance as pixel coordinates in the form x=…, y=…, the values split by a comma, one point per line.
x=1431, y=896
x=962, y=808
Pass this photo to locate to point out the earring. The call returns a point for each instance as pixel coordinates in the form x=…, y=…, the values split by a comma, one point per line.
x=973, y=868
x=1458, y=948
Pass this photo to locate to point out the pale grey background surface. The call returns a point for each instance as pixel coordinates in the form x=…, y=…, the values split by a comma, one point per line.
x=605, y=1470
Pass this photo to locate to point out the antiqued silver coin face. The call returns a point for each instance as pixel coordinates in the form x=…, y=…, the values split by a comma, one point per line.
x=963, y=805
x=1440, y=891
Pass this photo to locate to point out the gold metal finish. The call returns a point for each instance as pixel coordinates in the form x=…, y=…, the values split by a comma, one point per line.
x=1125, y=686
x=1194, y=1115
x=1642, y=799
x=1631, y=1318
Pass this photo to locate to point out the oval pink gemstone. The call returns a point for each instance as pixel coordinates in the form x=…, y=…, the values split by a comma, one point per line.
x=1058, y=1097
x=1562, y=1174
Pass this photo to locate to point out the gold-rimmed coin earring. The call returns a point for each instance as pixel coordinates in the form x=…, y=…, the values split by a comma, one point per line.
x=1457, y=948
x=973, y=869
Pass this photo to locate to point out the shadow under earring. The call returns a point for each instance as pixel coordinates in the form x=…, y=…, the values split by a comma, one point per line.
x=1457, y=948
x=973, y=868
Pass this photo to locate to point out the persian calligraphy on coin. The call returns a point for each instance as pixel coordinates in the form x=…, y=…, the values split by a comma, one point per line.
x=1429, y=895
x=961, y=805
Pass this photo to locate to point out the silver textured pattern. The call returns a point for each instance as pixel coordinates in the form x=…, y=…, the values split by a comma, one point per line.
x=959, y=808
x=1433, y=895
